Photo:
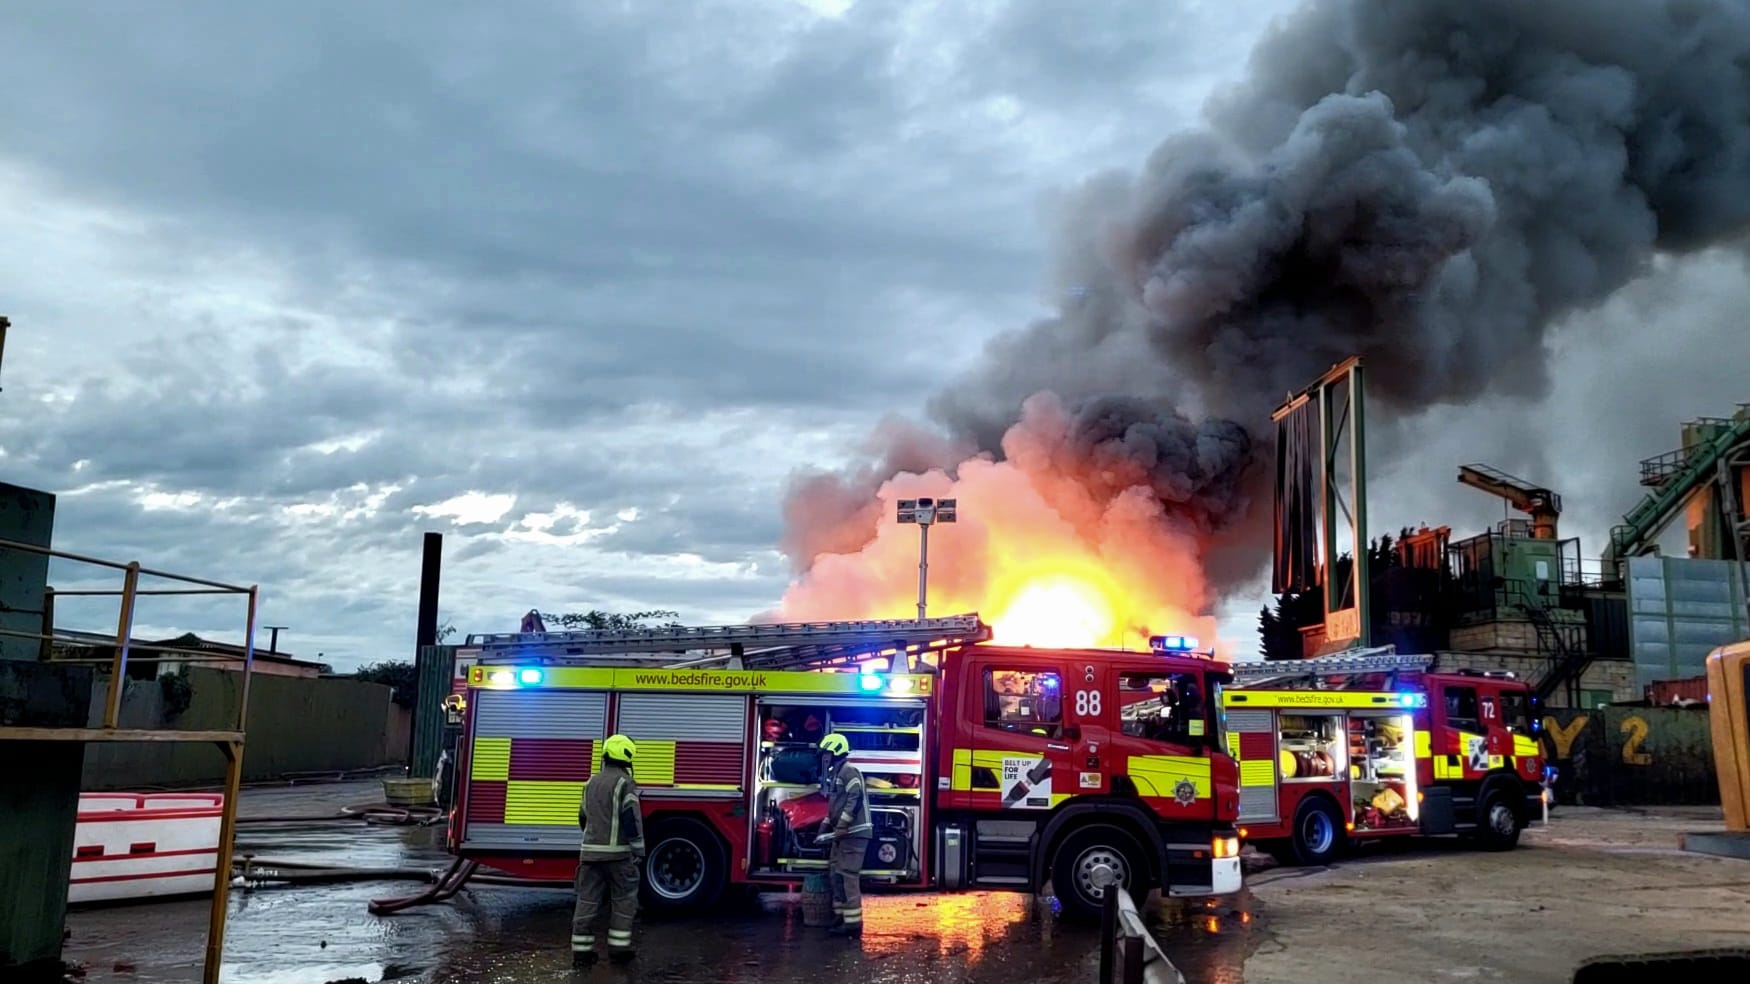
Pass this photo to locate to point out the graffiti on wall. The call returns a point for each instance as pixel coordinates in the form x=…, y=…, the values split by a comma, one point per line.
x=1631, y=755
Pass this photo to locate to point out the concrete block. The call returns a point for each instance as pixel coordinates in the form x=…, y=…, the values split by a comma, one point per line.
x=26, y=516
x=1725, y=844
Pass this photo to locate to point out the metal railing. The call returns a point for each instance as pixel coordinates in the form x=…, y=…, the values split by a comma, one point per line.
x=1128, y=951
x=229, y=742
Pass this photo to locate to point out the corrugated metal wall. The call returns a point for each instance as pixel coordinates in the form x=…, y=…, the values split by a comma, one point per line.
x=1679, y=611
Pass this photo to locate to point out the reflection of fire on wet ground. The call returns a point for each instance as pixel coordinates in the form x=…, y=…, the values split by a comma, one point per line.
x=1209, y=940
x=508, y=936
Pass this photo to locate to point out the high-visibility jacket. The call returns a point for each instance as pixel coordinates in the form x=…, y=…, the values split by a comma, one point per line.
x=847, y=810
x=613, y=827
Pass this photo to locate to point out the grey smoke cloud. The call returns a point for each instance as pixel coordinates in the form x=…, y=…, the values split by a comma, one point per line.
x=1429, y=184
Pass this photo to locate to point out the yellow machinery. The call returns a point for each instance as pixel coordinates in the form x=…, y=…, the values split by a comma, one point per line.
x=1728, y=687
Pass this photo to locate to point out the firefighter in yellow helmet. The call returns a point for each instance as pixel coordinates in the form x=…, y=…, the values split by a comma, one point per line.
x=849, y=830
x=613, y=844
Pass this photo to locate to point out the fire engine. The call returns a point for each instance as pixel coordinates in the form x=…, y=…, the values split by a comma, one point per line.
x=988, y=767
x=1373, y=744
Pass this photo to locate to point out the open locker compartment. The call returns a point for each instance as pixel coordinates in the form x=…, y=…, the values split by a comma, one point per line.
x=1310, y=746
x=1382, y=772
x=887, y=741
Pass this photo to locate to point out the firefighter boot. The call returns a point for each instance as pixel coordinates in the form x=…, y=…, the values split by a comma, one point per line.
x=622, y=954
x=582, y=959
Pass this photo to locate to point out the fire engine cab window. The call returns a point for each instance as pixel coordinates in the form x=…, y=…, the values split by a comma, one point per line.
x=1516, y=714
x=1024, y=701
x=1165, y=707
x=1461, y=708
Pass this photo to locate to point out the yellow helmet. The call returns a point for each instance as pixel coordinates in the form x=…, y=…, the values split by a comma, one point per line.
x=619, y=747
x=836, y=744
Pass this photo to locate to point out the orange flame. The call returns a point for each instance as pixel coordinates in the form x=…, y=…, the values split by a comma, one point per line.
x=1045, y=561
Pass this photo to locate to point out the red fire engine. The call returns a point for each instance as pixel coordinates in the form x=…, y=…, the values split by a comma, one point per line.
x=988, y=767
x=1372, y=745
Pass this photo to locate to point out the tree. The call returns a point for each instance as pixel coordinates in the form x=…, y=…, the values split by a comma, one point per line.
x=617, y=621
x=401, y=675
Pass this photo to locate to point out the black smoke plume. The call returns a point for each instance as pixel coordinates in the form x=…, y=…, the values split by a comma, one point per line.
x=1433, y=185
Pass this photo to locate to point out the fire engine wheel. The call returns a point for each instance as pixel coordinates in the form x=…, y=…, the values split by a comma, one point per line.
x=1082, y=854
x=685, y=868
x=1497, y=822
x=1318, y=832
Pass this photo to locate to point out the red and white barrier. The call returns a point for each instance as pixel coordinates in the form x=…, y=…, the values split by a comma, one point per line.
x=144, y=845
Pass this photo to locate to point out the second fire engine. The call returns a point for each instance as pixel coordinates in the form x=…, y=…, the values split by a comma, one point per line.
x=1373, y=744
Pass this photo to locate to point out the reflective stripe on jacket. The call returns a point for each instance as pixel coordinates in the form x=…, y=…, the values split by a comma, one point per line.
x=613, y=827
x=848, y=809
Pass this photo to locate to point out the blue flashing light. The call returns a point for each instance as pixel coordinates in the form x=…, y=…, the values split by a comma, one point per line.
x=1172, y=643
x=528, y=676
x=1413, y=700
x=1049, y=683
x=869, y=682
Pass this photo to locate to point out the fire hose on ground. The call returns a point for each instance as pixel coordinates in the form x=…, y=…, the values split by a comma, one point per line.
x=373, y=813
x=263, y=872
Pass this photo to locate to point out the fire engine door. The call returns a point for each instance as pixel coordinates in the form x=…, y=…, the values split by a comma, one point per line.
x=1035, y=723
x=1492, y=727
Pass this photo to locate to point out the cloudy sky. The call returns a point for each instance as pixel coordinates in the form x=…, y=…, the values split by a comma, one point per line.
x=292, y=283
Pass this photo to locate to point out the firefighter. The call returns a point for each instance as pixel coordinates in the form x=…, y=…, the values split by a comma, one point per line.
x=613, y=845
x=849, y=830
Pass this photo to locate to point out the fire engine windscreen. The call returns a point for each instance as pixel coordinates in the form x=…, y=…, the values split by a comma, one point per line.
x=1429, y=185
x=1164, y=707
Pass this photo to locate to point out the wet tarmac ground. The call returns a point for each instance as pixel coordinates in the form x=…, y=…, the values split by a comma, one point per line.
x=500, y=935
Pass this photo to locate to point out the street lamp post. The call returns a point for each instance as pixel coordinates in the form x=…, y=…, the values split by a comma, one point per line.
x=925, y=512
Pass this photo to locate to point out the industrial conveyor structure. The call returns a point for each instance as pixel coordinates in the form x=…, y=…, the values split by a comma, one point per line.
x=1714, y=460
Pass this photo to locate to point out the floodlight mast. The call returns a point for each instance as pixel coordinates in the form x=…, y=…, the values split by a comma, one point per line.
x=926, y=512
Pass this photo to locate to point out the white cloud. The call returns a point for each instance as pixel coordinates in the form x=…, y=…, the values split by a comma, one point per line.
x=470, y=508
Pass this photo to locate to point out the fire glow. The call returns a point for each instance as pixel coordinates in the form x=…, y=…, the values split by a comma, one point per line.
x=1047, y=556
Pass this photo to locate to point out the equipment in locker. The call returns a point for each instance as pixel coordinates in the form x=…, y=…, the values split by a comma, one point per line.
x=793, y=763
x=890, y=846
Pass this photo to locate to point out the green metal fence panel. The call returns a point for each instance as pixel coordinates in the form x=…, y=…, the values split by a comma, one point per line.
x=437, y=668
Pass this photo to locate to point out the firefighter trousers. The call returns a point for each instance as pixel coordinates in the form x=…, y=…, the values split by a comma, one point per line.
x=616, y=880
x=846, y=875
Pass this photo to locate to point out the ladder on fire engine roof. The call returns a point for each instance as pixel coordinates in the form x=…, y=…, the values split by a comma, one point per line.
x=1380, y=659
x=782, y=646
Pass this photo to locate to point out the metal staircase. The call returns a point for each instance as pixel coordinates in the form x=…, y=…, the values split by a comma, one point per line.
x=1674, y=477
x=780, y=646
x=1568, y=659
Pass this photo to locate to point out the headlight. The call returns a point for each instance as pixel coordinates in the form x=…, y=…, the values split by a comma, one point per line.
x=1225, y=847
